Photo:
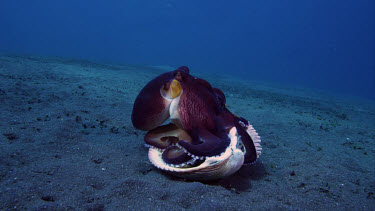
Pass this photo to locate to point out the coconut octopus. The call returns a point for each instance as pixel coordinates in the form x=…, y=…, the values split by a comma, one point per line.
x=203, y=140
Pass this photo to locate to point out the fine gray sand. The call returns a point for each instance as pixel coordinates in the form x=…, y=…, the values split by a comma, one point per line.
x=67, y=142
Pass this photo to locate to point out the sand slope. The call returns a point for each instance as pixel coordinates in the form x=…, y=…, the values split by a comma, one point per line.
x=67, y=142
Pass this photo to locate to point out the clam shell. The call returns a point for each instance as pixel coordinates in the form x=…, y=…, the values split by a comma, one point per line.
x=212, y=168
x=255, y=137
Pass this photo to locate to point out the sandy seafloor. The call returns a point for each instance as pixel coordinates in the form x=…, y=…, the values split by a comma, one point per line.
x=67, y=142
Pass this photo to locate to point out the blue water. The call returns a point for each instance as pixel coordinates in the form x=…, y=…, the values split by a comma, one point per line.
x=325, y=44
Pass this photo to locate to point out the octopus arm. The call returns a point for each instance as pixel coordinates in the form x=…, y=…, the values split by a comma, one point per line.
x=229, y=120
x=206, y=144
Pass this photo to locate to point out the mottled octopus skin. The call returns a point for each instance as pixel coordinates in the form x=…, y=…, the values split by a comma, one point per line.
x=202, y=114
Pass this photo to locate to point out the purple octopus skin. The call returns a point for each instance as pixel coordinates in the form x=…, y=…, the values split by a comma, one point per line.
x=202, y=111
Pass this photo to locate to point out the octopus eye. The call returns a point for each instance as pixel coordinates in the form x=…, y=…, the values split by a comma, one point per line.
x=181, y=73
x=171, y=90
x=178, y=75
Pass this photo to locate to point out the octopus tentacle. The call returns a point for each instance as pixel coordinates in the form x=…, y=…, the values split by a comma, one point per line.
x=174, y=155
x=241, y=124
x=205, y=144
x=165, y=136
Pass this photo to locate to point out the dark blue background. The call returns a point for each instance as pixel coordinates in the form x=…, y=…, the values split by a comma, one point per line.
x=325, y=44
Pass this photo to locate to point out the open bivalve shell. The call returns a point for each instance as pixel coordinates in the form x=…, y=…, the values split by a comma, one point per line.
x=212, y=167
